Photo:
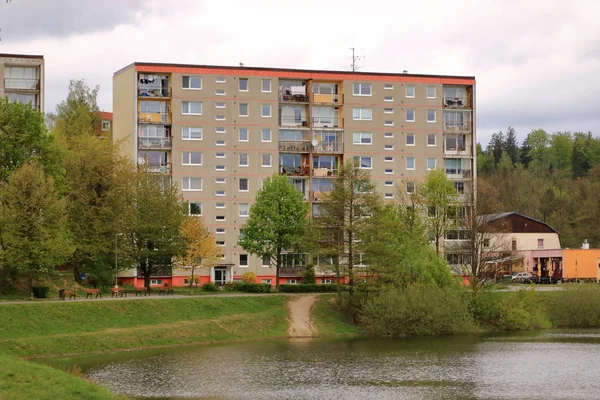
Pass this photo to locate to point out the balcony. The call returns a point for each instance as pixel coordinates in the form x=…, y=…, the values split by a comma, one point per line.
x=328, y=122
x=21, y=84
x=154, y=117
x=324, y=172
x=154, y=92
x=294, y=147
x=456, y=102
x=292, y=122
x=326, y=98
x=319, y=197
x=287, y=97
x=154, y=142
x=457, y=127
x=294, y=171
x=160, y=169
x=325, y=147
x=458, y=173
x=286, y=272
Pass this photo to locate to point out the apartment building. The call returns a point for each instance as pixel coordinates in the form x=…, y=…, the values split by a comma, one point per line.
x=219, y=131
x=22, y=78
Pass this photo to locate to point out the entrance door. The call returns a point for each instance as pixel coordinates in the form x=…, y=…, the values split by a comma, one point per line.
x=220, y=275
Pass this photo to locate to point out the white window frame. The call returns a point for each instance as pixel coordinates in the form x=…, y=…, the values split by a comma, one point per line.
x=190, y=208
x=388, y=86
x=220, y=218
x=360, y=112
x=359, y=162
x=220, y=79
x=105, y=126
x=368, y=135
x=220, y=104
x=388, y=123
x=414, y=114
x=219, y=180
x=388, y=147
x=388, y=183
x=220, y=167
x=262, y=85
x=221, y=193
x=220, y=231
x=221, y=142
x=434, y=163
x=388, y=171
x=220, y=243
x=189, y=180
x=388, y=135
x=262, y=111
x=262, y=262
x=388, y=195
x=188, y=162
x=359, y=86
x=220, y=155
x=247, y=184
x=189, y=103
x=190, y=81
x=414, y=162
x=262, y=160
x=220, y=129
x=240, y=130
x=189, y=128
x=220, y=92
x=247, y=110
x=221, y=206
x=240, y=261
x=406, y=91
x=434, y=116
x=220, y=118
x=240, y=160
x=434, y=140
x=388, y=159
x=240, y=85
x=434, y=92
x=388, y=110
x=262, y=135
x=388, y=98
x=414, y=137
x=413, y=187
x=240, y=210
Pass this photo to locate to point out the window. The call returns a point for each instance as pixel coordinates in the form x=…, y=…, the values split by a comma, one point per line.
x=156, y=281
x=266, y=86
x=265, y=110
x=389, y=195
x=243, y=160
x=388, y=123
x=363, y=162
x=243, y=209
x=266, y=262
x=221, y=179
x=221, y=243
x=243, y=109
x=388, y=171
x=191, y=158
x=266, y=160
x=388, y=110
x=220, y=79
x=220, y=143
x=195, y=208
x=220, y=155
x=410, y=139
x=220, y=218
x=220, y=118
x=243, y=184
x=361, y=89
x=220, y=231
x=431, y=92
x=191, y=82
x=220, y=193
x=389, y=135
x=191, y=107
x=410, y=187
x=388, y=147
x=266, y=280
x=105, y=125
x=388, y=159
x=514, y=244
x=365, y=114
x=362, y=138
x=266, y=135
x=410, y=163
x=410, y=91
x=220, y=104
x=388, y=86
x=243, y=260
x=220, y=92
x=220, y=168
x=191, y=133
x=410, y=115
x=220, y=206
x=388, y=98
x=431, y=163
x=389, y=183
x=292, y=281
x=540, y=243
x=431, y=139
x=486, y=242
x=243, y=135
x=191, y=184
x=243, y=84
x=220, y=129
x=460, y=187
x=430, y=115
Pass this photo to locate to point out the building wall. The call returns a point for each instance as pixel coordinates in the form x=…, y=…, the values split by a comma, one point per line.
x=581, y=264
x=124, y=111
x=15, y=60
x=525, y=241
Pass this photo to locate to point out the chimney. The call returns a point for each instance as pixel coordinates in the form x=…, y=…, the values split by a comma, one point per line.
x=585, y=245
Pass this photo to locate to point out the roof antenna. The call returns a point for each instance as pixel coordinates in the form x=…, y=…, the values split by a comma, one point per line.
x=355, y=59
x=241, y=64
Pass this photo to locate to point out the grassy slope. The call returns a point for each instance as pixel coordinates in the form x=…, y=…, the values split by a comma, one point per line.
x=329, y=321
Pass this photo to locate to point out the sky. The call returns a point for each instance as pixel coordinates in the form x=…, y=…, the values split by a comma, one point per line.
x=536, y=62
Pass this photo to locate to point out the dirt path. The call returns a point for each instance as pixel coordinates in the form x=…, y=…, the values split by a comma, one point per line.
x=300, y=323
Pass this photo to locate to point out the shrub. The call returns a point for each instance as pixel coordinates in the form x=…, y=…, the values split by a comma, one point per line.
x=308, y=275
x=209, y=287
x=309, y=288
x=40, y=292
x=417, y=309
x=252, y=287
x=523, y=311
x=249, y=277
x=576, y=307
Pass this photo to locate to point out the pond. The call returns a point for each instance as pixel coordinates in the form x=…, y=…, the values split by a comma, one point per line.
x=533, y=365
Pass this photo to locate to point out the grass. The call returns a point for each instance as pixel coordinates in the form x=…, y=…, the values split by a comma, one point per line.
x=329, y=321
x=22, y=380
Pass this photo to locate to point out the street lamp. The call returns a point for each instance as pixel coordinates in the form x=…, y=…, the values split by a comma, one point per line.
x=116, y=260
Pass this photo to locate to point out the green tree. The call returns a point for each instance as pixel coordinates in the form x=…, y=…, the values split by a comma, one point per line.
x=485, y=161
x=76, y=116
x=511, y=145
x=537, y=141
x=35, y=233
x=278, y=222
x=561, y=151
x=496, y=146
x=346, y=212
x=582, y=154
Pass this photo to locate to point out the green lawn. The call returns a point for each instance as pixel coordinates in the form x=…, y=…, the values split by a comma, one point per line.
x=329, y=322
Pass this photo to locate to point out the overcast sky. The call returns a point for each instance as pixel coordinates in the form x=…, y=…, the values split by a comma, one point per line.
x=537, y=62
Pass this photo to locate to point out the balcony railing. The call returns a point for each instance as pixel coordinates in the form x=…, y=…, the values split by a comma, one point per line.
x=154, y=142
x=21, y=84
x=160, y=169
x=324, y=172
x=292, y=98
x=458, y=173
x=154, y=92
x=293, y=122
x=291, y=271
x=327, y=122
x=326, y=98
x=457, y=127
x=319, y=197
x=154, y=117
x=456, y=102
x=294, y=147
x=325, y=147
x=294, y=171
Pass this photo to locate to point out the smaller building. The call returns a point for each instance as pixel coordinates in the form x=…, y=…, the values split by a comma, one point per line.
x=582, y=264
x=104, y=123
x=22, y=79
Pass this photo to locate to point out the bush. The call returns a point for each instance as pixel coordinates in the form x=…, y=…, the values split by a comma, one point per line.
x=308, y=275
x=252, y=287
x=249, y=277
x=209, y=287
x=417, y=309
x=576, y=307
x=40, y=292
x=309, y=288
x=510, y=312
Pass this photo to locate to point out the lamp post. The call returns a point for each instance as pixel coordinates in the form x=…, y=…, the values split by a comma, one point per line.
x=116, y=260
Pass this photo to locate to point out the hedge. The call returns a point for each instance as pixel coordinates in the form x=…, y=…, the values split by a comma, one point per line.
x=309, y=288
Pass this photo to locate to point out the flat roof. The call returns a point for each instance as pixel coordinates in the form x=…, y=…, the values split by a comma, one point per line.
x=289, y=72
x=4, y=55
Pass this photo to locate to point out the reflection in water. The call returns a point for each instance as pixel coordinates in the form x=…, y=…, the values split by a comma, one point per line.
x=501, y=366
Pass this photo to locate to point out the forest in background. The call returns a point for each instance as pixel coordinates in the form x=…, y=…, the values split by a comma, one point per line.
x=551, y=177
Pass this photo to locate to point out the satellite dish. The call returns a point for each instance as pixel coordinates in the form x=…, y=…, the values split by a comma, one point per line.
x=315, y=142
x=141, y=161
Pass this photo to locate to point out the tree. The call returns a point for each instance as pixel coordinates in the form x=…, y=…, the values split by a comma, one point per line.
x=76, y=115
x=440, y=198
x=278, y=222
x=561, y=151
x=200, y=247
x=347, y=211
x=537, y=142
x=35, y=234
x=510, y=145
x=582, y=154
x=151, y=224
x=496, y=146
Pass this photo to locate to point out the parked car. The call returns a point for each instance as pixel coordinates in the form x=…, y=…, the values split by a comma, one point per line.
x=521, y=277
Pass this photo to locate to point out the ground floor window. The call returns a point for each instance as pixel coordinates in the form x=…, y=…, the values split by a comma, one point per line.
x=266, y=281
x=156, y=281
x=327, y=280
x=292, y=281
